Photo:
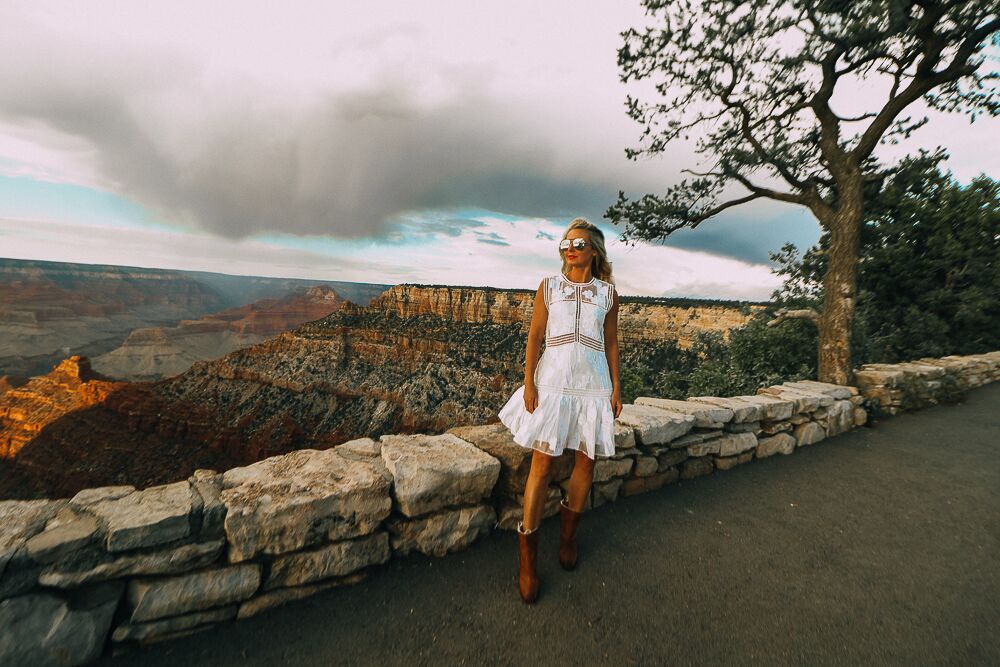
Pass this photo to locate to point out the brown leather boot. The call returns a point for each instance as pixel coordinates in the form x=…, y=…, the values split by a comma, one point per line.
x=528, y=580
x=569, y=520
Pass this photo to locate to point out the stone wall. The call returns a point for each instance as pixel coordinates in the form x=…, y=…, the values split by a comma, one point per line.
x=116, y=567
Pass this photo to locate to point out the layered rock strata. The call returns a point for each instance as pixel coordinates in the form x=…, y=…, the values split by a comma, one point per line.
x=157, y=352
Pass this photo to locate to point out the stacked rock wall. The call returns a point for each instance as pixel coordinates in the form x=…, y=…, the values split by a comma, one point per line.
x=115, y=567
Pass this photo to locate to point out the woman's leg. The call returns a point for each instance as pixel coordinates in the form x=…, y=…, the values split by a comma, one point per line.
x=580, y=482
x=536, y=489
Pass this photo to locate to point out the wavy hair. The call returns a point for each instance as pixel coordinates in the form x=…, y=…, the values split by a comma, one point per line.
x=600, y=267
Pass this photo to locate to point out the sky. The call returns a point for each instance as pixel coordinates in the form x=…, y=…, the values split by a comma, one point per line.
x=430, y=142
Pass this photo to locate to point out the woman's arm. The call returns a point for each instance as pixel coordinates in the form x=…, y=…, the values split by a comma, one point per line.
x=536, y=333
x=611, y=351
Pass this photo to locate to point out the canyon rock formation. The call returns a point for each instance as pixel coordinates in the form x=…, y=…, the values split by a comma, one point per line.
x=53, y=310
x=417, y=359
x=156, y=352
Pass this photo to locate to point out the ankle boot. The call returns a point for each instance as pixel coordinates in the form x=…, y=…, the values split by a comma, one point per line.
x=569, y=520
x=528, y=580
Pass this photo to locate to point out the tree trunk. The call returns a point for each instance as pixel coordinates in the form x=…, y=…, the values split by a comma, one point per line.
x=840, y=287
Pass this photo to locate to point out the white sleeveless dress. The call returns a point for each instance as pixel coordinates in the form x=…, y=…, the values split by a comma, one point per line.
x=572, y=375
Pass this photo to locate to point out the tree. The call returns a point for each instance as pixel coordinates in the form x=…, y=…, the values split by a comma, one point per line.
x=929, y=268
x=759, y=77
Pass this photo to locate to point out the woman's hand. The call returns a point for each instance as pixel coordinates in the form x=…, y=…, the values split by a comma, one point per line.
x=530, y=397
x=616, y=402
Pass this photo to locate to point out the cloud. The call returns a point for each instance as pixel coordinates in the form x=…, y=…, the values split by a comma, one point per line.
x=236, y=157
x=319, y=120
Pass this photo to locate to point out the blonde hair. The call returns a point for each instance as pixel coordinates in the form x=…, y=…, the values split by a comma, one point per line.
x=600, y=267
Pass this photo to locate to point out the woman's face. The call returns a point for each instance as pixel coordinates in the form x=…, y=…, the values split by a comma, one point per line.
x=579, y=258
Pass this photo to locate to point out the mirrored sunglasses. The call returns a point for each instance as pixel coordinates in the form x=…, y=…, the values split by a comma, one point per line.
x=578, y=244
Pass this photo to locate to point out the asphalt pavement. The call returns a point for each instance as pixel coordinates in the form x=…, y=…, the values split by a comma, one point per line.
x=880, y=546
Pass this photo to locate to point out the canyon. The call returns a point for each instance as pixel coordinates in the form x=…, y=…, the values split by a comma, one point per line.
x=153, y=353
x=52, y=310
x=416, y=359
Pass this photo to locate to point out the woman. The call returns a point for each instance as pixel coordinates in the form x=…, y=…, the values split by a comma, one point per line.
x=571, y=396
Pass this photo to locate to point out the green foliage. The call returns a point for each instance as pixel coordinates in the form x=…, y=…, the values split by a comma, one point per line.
x=929, y=267
x=755, y=356
x=655, y=369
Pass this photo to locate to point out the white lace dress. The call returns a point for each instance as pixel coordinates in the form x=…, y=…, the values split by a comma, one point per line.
x=572, y=375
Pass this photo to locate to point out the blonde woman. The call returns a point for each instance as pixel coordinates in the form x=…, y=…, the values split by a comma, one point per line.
x=571, y=393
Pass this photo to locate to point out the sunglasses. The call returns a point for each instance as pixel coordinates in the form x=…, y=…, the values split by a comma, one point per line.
x=577, y=244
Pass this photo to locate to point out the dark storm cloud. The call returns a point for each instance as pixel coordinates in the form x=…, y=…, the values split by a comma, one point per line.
x=345, y=165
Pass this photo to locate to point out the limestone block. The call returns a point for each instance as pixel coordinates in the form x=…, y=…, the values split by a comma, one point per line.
x=836, y=391
x=96, y=495
x=331, y=560
x=170, y=561
x=839, y=418
x=770, y=428
x=692, y=438
x=604, y=492
x=150, y=599
x=655, y=426
x=822, y=399
x=808, y=433
x=871, y=376
x=431, y=472
x=635, y=485
x=624, y=436
x=301, y=499
x=736, y=443
x=515, y=460
x=800, y=418
x=670, y=459
x=145, y=518
x=361, y=447
x=706, y=415
x=42, y=629
x=625, y=453
x=21, y=520
x=280, y=596
x=744, y=427
x=439, y=533
x=860, y=417
x=207, y=484
x=645, y=466
x=145, y=633
x=63, y=534
x=782, y=443
x=695, y=467
x=743, y=410
x=705, y=448
x=804, y=401
x=774, y=408
x=605, y=469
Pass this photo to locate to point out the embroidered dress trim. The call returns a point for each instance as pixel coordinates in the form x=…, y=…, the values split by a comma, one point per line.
x=569, y=391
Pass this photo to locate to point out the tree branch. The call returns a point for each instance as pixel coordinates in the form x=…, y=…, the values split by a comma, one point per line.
x=923, y=81
x=783, y=314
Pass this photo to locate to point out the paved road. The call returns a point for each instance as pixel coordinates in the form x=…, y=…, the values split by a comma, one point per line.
x=881, y=546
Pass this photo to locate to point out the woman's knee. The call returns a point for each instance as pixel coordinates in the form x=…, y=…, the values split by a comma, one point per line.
x=541, y=463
